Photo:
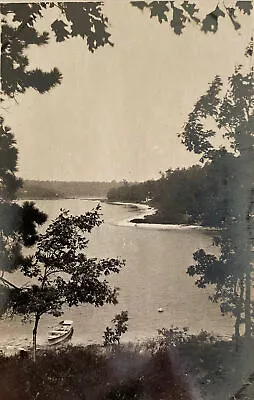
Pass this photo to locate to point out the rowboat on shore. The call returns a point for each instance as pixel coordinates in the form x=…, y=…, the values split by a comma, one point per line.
x=62, y=333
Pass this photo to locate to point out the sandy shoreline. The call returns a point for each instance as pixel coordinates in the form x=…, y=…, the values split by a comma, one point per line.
x=146, y=210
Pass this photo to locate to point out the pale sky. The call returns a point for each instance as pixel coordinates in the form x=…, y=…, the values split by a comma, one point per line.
x=117, y=112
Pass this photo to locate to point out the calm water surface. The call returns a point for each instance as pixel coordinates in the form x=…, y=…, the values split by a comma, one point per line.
x=154, y=276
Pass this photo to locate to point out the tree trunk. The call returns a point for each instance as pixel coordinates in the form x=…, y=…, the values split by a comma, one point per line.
x=36, y=323
x=249, y=219
x=237, y=325
x=248, y=303
x=238, y=315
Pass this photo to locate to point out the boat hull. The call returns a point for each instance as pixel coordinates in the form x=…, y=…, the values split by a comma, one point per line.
x=63, y=338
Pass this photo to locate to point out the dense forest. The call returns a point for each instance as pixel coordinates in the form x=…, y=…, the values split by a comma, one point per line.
x=196, y=195
x=33, y=189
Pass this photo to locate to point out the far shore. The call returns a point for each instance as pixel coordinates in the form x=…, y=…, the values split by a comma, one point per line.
x=62, y=198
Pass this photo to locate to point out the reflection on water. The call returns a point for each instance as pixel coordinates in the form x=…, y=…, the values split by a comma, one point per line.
x=154, y=277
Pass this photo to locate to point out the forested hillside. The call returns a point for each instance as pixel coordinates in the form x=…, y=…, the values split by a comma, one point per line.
x=197, y=195
x=33, y=189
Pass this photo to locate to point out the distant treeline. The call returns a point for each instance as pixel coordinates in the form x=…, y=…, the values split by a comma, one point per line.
x=33, y=189
x=197, y=195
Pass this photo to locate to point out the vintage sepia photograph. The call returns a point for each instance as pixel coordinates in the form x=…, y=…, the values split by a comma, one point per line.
x=127, y=200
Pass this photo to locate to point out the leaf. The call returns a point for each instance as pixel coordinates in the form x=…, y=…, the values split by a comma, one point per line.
x=179, y=19
x=249, y=49
x=139, y=4
x=159, y=9
x=210, y=23
x=42, y=81
x=87, y=21
x=191, y=9
x=245, y=6
x=58, y=28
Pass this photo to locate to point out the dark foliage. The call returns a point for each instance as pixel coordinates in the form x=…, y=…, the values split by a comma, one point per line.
x=85, y=20
x=112, y=335
x=9, y=183
x=86, y=373
x=19, y=32
x=165, y=367
x=18, y=228
x=197, y=195
x=233, y=115
x=211, y=21
x=18, y=223
x=188, y=12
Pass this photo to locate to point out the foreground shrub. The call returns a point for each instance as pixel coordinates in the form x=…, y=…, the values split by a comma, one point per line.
x=91, y=373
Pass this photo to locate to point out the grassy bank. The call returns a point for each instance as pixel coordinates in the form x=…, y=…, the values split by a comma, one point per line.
x=174, y=367
x=77, y=373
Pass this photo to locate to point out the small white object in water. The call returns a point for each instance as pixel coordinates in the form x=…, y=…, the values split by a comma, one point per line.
x=160, y=309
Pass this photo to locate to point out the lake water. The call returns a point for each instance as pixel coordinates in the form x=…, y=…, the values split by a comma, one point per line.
x=154, y=277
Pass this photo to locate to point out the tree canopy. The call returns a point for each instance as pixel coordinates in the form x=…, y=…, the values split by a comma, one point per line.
x=19, y=223
x=88, y=21
x=197, y=195
x=19, y=31
x=230, y=107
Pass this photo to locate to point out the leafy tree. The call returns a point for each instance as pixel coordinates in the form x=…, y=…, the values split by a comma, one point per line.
x=112, y=336
x=136, y=192
x=178, y=197
x=232, y=115
x=65, y=275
